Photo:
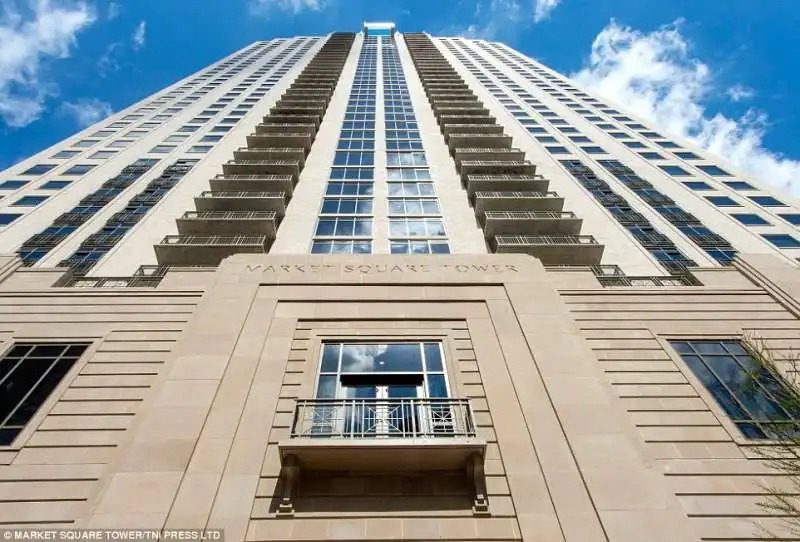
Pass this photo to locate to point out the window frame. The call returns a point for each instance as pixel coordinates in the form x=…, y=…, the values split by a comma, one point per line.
x=320, y=336
x=702, y=391
x=47, y=405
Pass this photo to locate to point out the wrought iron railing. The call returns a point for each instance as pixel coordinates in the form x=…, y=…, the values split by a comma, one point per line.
x=375, y=418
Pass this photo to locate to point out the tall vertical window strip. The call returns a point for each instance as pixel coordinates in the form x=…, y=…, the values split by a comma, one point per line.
x=345, y=220
x=97, y=245
x=415, y=219
x=36, y=247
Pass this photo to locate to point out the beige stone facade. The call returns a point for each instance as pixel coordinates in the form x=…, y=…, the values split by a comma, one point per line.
x=588, y=426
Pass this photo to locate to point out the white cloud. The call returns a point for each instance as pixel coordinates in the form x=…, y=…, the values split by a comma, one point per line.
x=109, y=61
x=139, y=35
x=27, y=43
x=114, y=9
x=86, y=112
x=737, y=93
x=543, y=8
x=265, y=7
x=655, y=76
x=494, y=19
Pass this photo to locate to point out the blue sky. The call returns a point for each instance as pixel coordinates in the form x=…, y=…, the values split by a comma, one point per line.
x=722, y=72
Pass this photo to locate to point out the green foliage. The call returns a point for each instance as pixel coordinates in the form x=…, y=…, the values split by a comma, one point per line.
x=782, y=454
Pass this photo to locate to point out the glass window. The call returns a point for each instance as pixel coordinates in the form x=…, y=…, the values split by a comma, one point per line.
x=344, y=227
x=413, y=206
x=634, y=144
x=416, y=246
x=29, y=372
x=66, y=154
x=546, y=139
x=79, y=169
x=580, y=139
x=210, y=138
x=675, y=171
x=12, y=185
x=177, y=138
x=163, y=149
x=698, y=185
x=750, y=219
x=86, y=143
x=593, y=150
x=651, y=155
x=380, y=367
x=29, y=201
x=8, y=218
x=39, y=169
x=102, y=155
x=723, y=201
x=55, y=185
x=199, y=149
x=120, y=143
x=713, y=170
x=341, y=246
x=557, y=150
x=103, y=133
x=767, y=201
x=668, y=144
x=421, y=227
x=791, y=218
x=782, y=240
x=346, y=206
x=739, y=185
x=757, y=400
x=686, y=155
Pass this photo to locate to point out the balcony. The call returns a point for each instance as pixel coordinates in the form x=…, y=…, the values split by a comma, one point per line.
x=202, y=223
x=552, y=249
x=315, y=95
x=530, y=222
x=273, y=153
x=498, y=167
x=241, y=201
x=488, y=154
x=262, y=167
x=517, y=201
x=282, y=108
x=288, y=118
x=298, y=139
x=283, y=128
x=455, y=95
x=444, y=120
x=380, y=435
x=466, y=109
x=453, y=128
x=409, y=434
x=456, y=140
x=202, y=250
x=246, y=183
x=440, y=87
x=510, y=183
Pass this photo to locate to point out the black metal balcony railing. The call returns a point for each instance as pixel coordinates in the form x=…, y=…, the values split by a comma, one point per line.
x=392, y=418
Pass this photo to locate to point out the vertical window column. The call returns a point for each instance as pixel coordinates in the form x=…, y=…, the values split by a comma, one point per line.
x=415, y=220
x=345, y=220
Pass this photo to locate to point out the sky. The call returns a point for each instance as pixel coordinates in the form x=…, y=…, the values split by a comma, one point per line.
x=720, y=72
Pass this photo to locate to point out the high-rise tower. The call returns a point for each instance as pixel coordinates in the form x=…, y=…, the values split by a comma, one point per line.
x=378, y=285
